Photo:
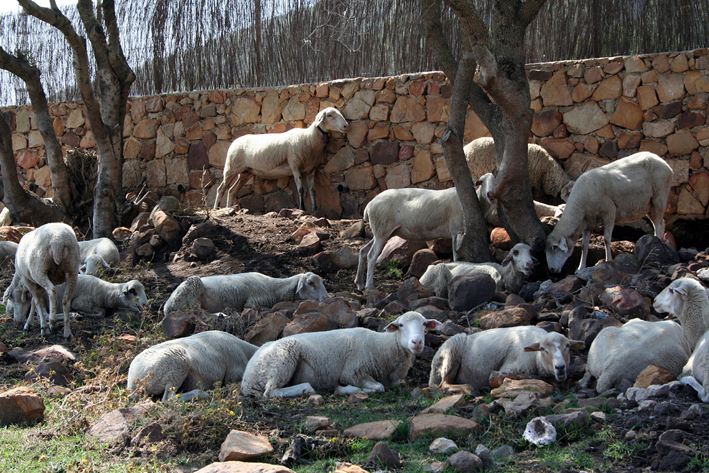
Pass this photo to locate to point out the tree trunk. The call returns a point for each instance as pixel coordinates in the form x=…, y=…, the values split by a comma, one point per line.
x=24, y=205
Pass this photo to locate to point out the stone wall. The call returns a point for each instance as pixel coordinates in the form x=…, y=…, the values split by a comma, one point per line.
x=587, y=113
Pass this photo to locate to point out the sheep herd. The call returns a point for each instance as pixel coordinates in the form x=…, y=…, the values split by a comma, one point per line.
x=51, y=265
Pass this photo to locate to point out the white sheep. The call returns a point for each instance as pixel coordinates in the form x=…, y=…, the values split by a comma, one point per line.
x=274, y=155
x=696, y=371
x=470, y=359
x=489, y=204
x=412, y=214
x=546, y=176
x=189, y=365
x=344, y=360
x=46, y=257
x=5, y=219
x=619, y=353
x=97, y=253
x=507, y=277
x=17, y=300
x=245, y=290
x=8, y=249
x=622, y=191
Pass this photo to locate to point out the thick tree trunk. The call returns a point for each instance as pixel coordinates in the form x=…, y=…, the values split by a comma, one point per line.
x=24, y=205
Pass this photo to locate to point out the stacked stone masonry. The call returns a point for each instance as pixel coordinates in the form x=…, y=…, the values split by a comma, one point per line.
x=587, y=113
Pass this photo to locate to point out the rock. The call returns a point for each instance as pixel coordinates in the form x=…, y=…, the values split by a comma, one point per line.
x=653, y=375
x=540, y=431
x=512, y=317
x=54, y=371
x=380, y=430
x=650, y=250
x=625, y=302
x=267, y=329
x=421, y=261
x=400, y=250
x=437, y=424
x=671, y=440
x=445, y=404
x=313, y=423
x=243, y=467
x=566, y=421
x=203, y=248
x=244, y=446
x=563, y=290
x=21, y=405
x=166, y=226
x=514, y=387
x=382, y=455
x=484, y=454
x=346, y=467
x=179, y=324
x=442, y=445
x=470, y=290
x=150, y=433
x=465, y=462
x=311, y=322
x=115, y=425
x=10, y=234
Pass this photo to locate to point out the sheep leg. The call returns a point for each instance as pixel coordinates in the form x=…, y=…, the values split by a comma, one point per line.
x=346, y=390
x=584, y=252
x=608, y=223
x=33, y=309
x=656, y=216
x=37, y=293
x=301, y=190
x=194, y=394
x=373, y=387
x=234, y=189
x=586, y=380
x=310, y=181
x=226, y=183
x=291, y=391
x=363, y=252
x=70, y=283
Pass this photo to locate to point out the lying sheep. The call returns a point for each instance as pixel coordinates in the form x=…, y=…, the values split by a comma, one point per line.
x=507, y=277
x=47, y=257
x=470, y=359
x=622, y=191
x=619, y=353
x=412, y=214
x=8, y=249
x=97, y=253
x=344, y=360
x=546, y=176
x=488, y=203
x=696, y=371
x=275, y=155
x=246, y=290
x=189, y=365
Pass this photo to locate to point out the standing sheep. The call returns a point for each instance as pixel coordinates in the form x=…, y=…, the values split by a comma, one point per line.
x=275, y=155
x=507, y=277
x=246, y=290
x=344, y=360
x=622, y=191
x=412, y=214
x=619, y=353
x=470, y=359
x=46, y=257
x=189, y=365
x=546, y=176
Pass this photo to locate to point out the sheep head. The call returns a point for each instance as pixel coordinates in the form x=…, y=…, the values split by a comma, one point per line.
x=674, y=296
x=91, y=265
x=521, y=257
x=311, y=287
x=410, y=329
x=554, y=353
x=558, y=249
x=331, y=119
x=133, y=295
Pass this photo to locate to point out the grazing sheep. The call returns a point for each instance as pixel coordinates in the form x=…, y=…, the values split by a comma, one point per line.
x=469, y=359
x=489, y=204
x=344, y=360
x=17, y=300
x=46, y=257
x=507, y=277
x=246, y=290
x=100, y=252
x=546, y=176
x=412, y=214
x=696, y=371
x=619, y=353
x=622, y=191
x=275, y=155
x=8, y=249
x=189, y=365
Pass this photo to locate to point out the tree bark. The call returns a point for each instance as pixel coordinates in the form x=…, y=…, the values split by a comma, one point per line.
x=24, y=205
x=20, y=66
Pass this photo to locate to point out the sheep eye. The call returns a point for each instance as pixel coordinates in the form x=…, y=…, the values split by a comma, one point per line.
x=515, y=252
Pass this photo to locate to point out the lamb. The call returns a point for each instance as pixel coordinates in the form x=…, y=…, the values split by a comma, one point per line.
x=469, y=359
x=97, y=253
x=272, y=156
x=412, y=214
x=622, y=191
x=46, y=257
x=189, y=365
x=246, y=290
x=508, y=277
x=344, y=360
x=489, y=204
x=546, y=176
x=93, y=296
x=620, y=353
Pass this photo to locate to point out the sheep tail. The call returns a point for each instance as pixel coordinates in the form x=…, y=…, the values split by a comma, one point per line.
x=58, y=251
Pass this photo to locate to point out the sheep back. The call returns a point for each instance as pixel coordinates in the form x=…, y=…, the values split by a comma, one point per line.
x=186, y=297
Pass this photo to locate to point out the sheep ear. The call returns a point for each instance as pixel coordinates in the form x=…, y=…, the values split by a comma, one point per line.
x=507, y=259
x=392, y=326
x=301, y=283
x=432, y=324
x=533, y=347
x=577, y=344
x=82, y=269
x=681, y=291
x=478, y=183
x=563, y=246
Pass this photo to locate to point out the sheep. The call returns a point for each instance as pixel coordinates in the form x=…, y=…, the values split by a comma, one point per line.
x=5, y=219
x=489, y=204
x=17, y=300
x=344, y=360
x=8, y=249
x=623, y=352
x=695, y=372
x=507, y=277
x=546, y=176
x=469, y=359
x=245, y=290
x=46, y=257
x=97, y=253
x=189, y=365
x=272, y=156
x=622, y=191
x=412, y=214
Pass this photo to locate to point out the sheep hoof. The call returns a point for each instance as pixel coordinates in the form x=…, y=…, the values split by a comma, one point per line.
x=67, y=332
x=346, y=390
